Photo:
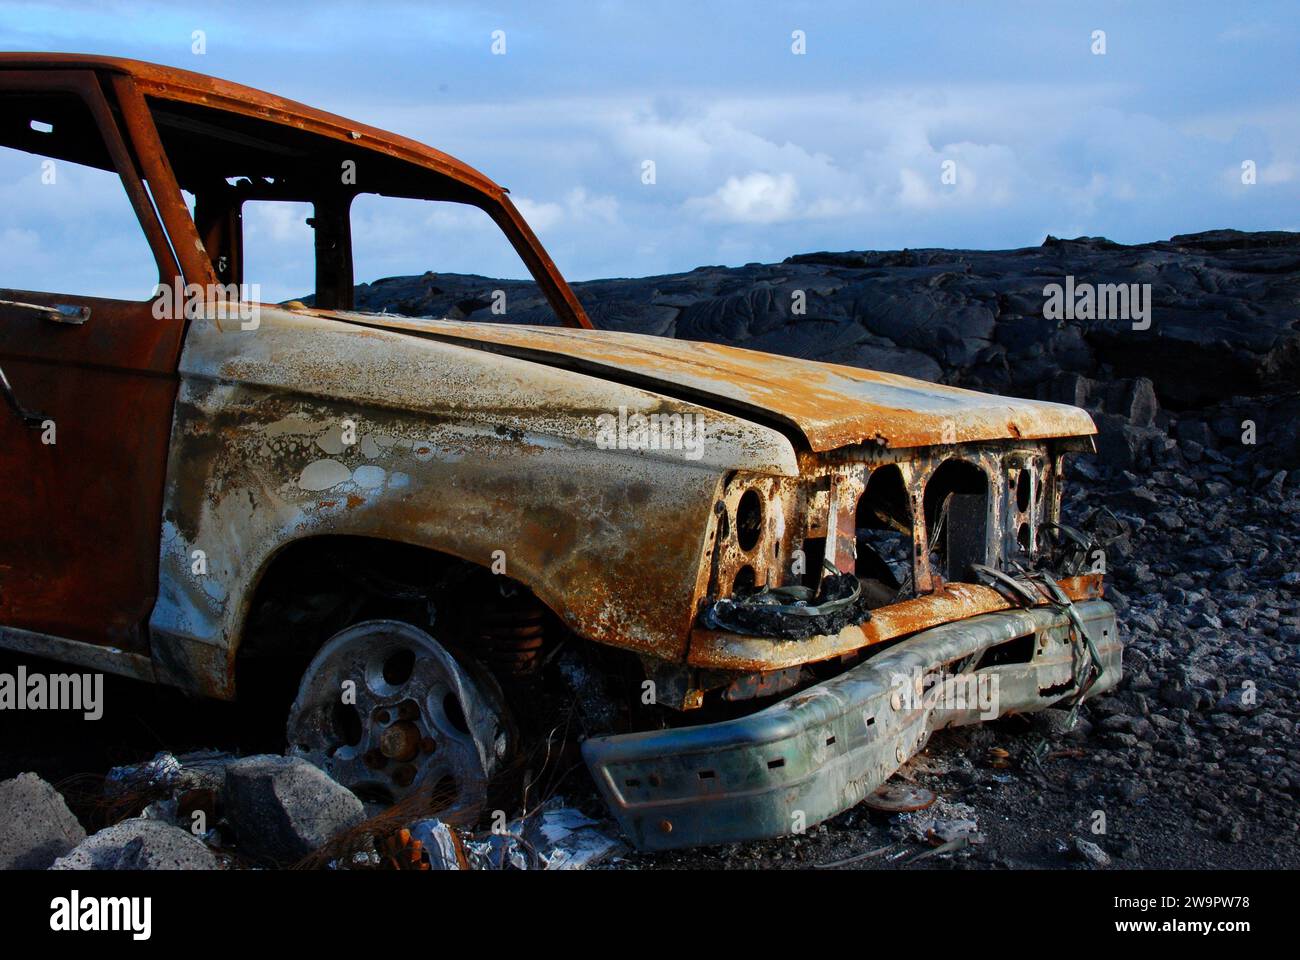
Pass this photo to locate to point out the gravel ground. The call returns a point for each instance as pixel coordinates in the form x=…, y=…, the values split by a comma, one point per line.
x=1193, y=760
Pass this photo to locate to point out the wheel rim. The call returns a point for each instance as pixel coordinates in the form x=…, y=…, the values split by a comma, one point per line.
x=387, y=712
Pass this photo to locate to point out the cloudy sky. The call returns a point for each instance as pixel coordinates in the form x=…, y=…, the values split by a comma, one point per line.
x=759, y=152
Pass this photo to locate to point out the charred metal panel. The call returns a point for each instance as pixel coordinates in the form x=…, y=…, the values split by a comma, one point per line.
x=832, y=406
x=788, y=531
x=822, y=750
x=453, y=449
x=951, y=602
x=78, y=554
x=93, y=655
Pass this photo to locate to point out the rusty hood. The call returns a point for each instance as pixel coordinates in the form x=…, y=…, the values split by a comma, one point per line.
x=830, y=405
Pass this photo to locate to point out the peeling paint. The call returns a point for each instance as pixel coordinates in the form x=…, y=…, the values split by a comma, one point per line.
x=324, y=474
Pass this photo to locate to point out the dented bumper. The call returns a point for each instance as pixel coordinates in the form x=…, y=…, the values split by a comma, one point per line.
x=822, y=750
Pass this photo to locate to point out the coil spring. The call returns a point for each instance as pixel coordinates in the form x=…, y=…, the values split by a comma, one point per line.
x=513, y=635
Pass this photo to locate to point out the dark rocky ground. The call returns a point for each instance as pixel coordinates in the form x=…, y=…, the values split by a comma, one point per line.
x=1194, y=761
x=1222, y=344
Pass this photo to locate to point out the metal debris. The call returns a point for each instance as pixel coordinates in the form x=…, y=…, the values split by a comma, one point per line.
x=792, y=612
x=943, y=822
x=959, y=842
x=857, y=858
x=553, y=837
x=900, y=798
x=201, y=769
x=441, y=843
x=566, y=839
x=163, y=770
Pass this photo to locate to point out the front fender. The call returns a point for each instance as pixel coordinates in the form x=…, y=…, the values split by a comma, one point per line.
x=308, y=427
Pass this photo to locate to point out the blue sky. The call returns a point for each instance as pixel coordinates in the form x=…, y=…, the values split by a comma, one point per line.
x=759, y=153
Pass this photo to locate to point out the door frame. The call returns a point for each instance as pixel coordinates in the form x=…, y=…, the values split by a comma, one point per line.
x=137, y=155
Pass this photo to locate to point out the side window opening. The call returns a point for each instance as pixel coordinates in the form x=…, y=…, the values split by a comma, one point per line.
x=67, y=225
x=279, y=249
x=441, y=259
x=294, y=215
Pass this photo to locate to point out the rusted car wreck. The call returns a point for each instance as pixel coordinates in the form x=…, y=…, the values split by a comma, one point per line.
x=425, y=522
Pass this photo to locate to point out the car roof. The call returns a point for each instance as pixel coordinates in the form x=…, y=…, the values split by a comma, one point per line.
x=173, y=83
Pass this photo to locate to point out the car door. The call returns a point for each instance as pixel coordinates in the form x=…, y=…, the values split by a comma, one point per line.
x=89, y=380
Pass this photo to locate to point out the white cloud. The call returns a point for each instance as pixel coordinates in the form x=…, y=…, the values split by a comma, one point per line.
x=754, y=198
x=577, y=207
x=759, y=153
x=541, y=215
x=749, y=177
x=584, y=207
x=1280, y=171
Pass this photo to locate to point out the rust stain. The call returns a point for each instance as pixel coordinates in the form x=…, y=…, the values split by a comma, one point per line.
x=954, y=601
x=833, y=406
x=133, y=80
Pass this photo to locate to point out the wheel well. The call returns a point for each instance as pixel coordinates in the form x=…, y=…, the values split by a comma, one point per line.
x=317, y=586
x=494, y=626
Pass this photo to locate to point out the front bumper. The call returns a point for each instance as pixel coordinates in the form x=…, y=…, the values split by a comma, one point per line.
x=820, y=751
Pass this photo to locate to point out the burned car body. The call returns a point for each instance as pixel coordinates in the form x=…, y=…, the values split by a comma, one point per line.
x=431, y=509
